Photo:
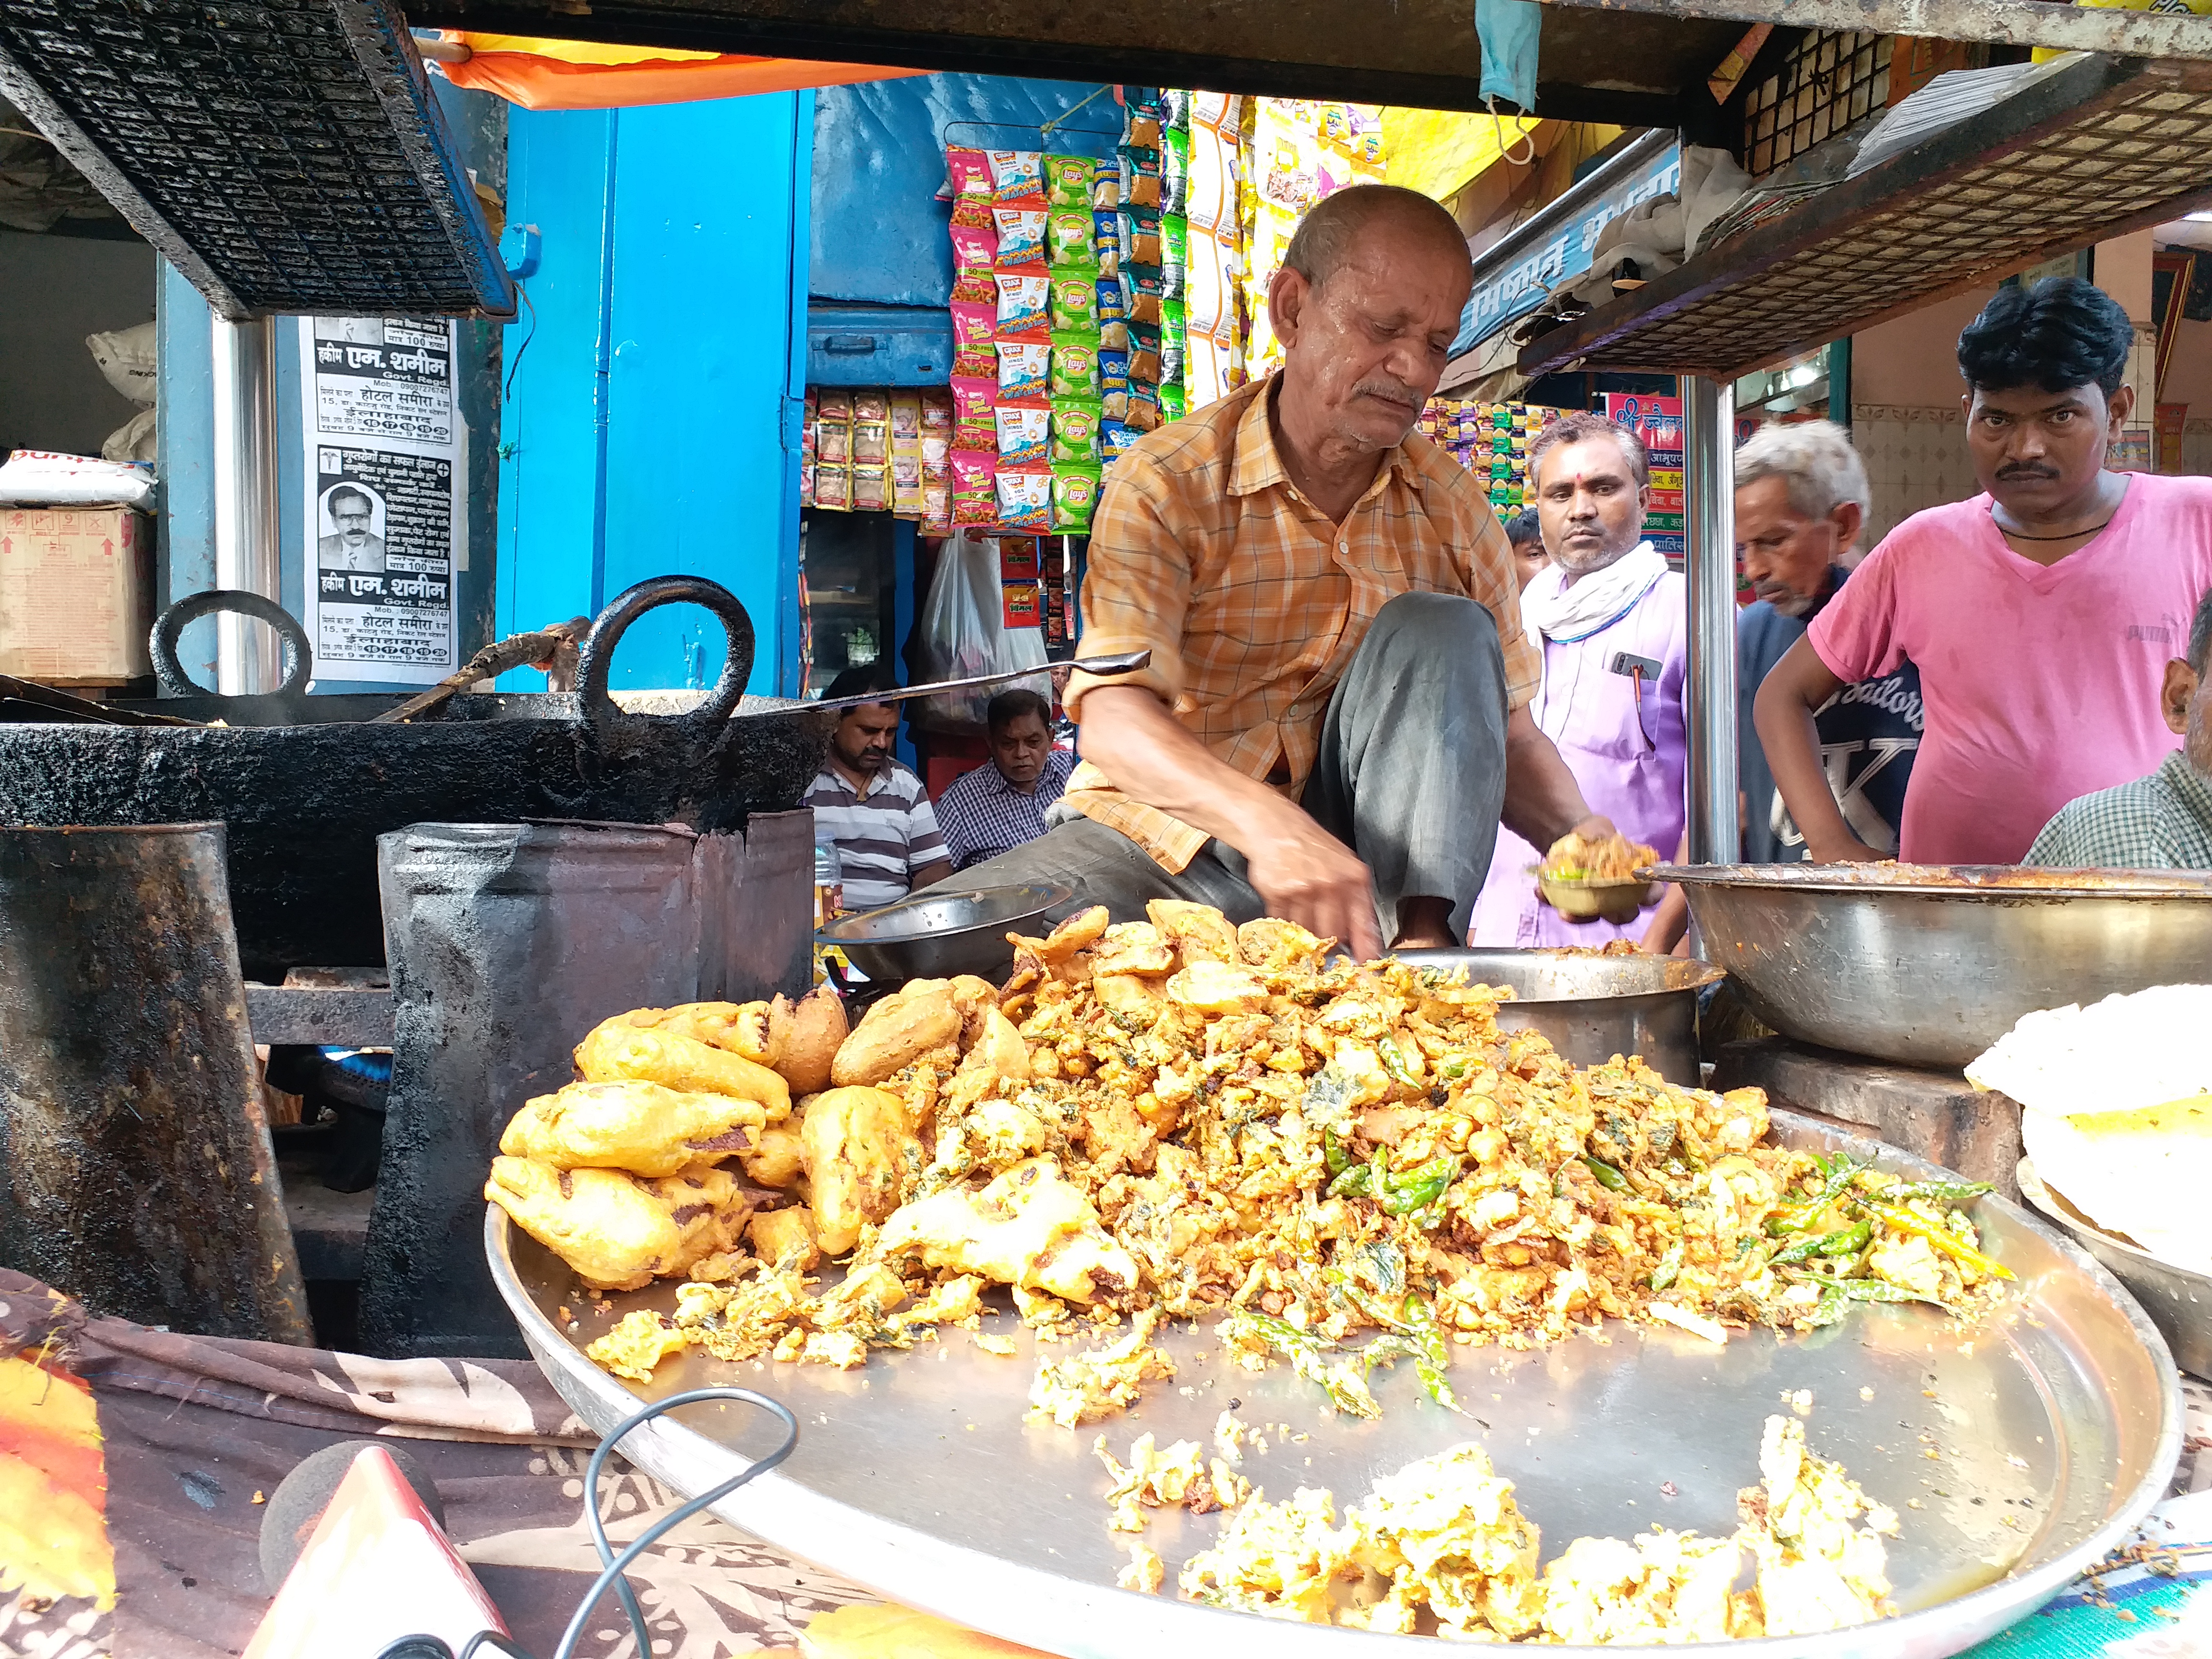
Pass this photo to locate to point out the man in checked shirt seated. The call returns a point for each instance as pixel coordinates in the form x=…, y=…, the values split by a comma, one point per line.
x=1336, y=716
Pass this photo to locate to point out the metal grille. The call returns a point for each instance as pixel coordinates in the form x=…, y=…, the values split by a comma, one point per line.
x=1829, y=80
x=285, y=155
x=2105, y=147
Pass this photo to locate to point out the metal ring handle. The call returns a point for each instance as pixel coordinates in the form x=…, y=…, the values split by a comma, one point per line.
x=596, y=655
x=169, y=626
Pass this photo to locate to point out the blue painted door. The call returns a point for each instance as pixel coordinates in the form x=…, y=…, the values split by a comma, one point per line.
x=650, y=425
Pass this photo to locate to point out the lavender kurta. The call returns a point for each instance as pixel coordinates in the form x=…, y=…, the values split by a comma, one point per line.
x=1591, y=713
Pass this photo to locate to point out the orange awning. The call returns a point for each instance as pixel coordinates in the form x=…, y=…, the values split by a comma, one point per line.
x=584, y=74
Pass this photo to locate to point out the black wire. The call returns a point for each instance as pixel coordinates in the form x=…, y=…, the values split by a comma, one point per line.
x=615, y=1564
x=523, y=294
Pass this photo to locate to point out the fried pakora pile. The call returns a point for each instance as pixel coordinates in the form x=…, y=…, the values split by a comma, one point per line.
x=621, y=1173
x=1340, y=1165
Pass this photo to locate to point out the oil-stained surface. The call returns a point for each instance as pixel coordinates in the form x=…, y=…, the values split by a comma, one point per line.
x=135, y=1172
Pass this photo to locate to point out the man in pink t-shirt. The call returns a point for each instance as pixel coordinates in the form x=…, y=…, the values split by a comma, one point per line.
x=2041, y=613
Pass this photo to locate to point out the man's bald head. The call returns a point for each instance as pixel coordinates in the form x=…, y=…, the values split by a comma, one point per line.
x=1337, y=224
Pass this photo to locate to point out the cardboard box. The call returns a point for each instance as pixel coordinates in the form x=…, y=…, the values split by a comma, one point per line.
x=77, y=593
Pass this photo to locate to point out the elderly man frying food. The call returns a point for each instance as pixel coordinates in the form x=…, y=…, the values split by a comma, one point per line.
x=1335, y=715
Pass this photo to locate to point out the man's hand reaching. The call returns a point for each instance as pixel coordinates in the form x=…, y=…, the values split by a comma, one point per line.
x=1304, y=874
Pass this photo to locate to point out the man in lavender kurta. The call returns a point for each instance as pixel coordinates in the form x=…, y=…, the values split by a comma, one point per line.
x=1614, y=621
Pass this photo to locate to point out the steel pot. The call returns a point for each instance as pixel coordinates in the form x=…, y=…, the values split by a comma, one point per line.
x=1590, y=1006
x=306, y=784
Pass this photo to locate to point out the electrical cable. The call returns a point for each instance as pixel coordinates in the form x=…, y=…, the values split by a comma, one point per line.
x=613, y=1566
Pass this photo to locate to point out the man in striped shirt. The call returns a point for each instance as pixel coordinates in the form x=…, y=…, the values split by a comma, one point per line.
x=872, y=808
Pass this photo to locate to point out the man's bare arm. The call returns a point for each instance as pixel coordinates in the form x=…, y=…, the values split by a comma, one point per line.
x=1301, y=871
x=1783, y=713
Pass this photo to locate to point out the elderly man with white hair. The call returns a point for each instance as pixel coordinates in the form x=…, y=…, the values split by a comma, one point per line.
x=1801, y=503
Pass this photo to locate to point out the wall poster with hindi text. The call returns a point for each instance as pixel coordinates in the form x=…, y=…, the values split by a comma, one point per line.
x=383, y=497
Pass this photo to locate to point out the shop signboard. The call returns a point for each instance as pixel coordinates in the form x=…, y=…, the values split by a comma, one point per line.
x=1561, y=241
x=383, y=496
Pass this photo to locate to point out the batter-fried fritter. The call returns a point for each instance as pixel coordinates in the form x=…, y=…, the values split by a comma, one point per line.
x=810, y=1046
x=617, y=1049
x=754, y=1029
x=617, y=1230
x=638, y=1126
x=1027, y=1227
x=897, y=1031
x=855, y=1143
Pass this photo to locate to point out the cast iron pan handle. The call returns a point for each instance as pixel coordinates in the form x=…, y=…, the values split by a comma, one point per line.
x=169, y=626
x=597, y=654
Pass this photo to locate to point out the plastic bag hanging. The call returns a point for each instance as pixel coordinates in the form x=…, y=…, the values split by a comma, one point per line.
x=1508, y=32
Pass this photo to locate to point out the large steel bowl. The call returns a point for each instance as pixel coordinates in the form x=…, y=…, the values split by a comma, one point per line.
x=1927, y=966
x=1590, y=1006
x=942, y=930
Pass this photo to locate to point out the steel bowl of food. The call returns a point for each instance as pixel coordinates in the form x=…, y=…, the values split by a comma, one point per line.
x=1928, y=965
x=942, y=931
x=1592, y=1004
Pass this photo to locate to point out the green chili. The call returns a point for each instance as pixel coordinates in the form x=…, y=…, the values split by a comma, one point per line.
x=1418, y=1188
x=1607, y=1177
x=1949, y=1194
x=1669, y=1268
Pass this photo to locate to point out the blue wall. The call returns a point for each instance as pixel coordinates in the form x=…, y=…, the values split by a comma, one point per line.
x=650, y=423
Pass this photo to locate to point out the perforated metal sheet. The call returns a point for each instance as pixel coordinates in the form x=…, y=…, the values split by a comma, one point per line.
x=2100, y=148
x=286, y=154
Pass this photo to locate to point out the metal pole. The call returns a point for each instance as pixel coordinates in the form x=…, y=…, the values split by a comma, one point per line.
x=1708, y=504
x=248, y=536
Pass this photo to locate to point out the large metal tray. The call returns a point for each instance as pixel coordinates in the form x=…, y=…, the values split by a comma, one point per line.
x=2030, y=1444
x=2179, y=1301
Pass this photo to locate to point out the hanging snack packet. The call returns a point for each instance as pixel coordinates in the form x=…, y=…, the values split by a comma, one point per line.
x=1021, y=604
x=1144, y=357
x=906, y=420
x=1175, y=105
x=968, y=177
x=1024, y=367
x=1140, y=175
x=1024, y=304
x=871, y=442
x=1023, y=434
x=1172, y=350
x=1173, y=406
x=1075, y=299
x=1114, y=406
x=974, y=247
x=1174, y=170
x=1113, y=370
x=1109, y=301
x=1144, y=406
x=906, y=485
x=1025, y=499
x=1067, y=237
x=833, y=486
x=1021, y=237
x=1074, y=366
x=1175, y=254
x=1106, y=188
x=975, y=496
x=871, y=403
x=1142, y=289
x=936, y=507
x=1143, y=130
x=1139, y=231
x=1067, y=180
x=1114, y=335
x=1114, y=437
x=1075, y=431
x=1074, y=498
x=1017, y=175
x=976, y=322
x=832, y=430
x=976, y=423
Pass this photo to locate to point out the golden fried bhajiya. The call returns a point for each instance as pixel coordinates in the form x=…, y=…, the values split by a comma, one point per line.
x=785, y=1238
x=1132, y=947
x=810, y=1047
x=778, y=1159
x=632, y=1125
x=754, y=1029
x=615, y=1230
x=617, y=1049
x=857, y=1145
x=1028, y=1227
x=897, y=1031
x=1196, y=933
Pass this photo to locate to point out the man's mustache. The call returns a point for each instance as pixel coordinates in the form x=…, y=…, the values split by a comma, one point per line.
x=2025, y=470
x=1391, y=391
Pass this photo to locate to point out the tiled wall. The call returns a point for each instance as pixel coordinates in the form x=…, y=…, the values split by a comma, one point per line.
x=1914, y=459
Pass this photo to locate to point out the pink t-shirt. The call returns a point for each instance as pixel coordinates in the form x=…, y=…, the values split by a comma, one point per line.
x=2041, y=683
